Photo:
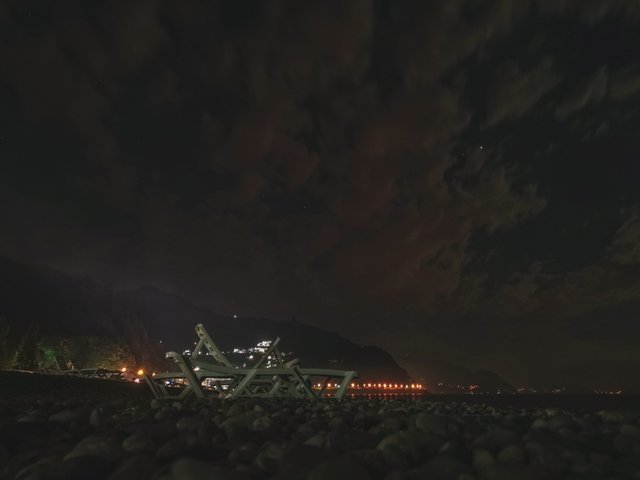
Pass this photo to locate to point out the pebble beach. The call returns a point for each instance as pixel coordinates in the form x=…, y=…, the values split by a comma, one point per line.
x=60, y=428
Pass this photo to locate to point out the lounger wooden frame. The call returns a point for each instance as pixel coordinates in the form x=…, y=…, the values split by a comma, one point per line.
x=227, y=381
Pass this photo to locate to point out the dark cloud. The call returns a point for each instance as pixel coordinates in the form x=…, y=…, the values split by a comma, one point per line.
x=514, y=92
x=441, y=177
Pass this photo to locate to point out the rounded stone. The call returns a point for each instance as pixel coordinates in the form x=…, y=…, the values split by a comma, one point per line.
x=431, y=423
x=482, y=458
x=64, y=416
x=138, y=466
x=559, y=421
x=187, y=424
x=96, y=446
x=630, y=430
x=538, y=424
x=502, y=436
x=318, y=440
x=96, y=419
x=336, y=423
x=262, y=424
x=441, y=466
x=190, y=469
x=512, y=454
x=171, y=449
x=339, y=468
x=234, y=409
x=139, y=443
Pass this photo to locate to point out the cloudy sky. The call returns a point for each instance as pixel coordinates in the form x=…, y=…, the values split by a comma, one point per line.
x=456, y=181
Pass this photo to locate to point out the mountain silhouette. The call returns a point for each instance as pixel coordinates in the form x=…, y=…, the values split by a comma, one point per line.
x=151, y=321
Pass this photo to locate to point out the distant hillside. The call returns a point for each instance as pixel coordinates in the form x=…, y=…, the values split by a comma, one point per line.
x=150, y=321
x=442, y=377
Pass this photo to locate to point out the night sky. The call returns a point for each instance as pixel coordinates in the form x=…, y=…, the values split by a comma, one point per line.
x=456, y=181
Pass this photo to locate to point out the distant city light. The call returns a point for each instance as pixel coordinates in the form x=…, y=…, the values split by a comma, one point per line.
x=140, y=372
x=398, y=387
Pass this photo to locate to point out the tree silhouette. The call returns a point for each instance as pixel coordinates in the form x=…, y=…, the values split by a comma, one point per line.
x=28, y=349
x=4, y=341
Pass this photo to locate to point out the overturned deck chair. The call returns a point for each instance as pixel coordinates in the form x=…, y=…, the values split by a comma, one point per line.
x=228, y=381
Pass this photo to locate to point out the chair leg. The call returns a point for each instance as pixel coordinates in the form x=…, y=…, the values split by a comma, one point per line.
x=155, y=390
x=306, y=389
x=242, y=385
x=346, y=381
x=192, y=378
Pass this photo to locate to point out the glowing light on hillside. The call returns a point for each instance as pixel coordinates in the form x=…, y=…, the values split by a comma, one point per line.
x=140, y=372
x=123, y=369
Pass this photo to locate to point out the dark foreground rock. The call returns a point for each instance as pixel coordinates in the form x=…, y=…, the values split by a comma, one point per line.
x=93, y=435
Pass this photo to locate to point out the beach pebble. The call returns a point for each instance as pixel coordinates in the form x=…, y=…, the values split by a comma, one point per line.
x=190, y=469
x=430, y=423
x=139, y=443
x=96, y=446
x=64, y=416
x=482, y=458
x=339, y=468
x=512, y=454
x=96, y=418
x=121, y=437
x=630, y=430
x=187, y=424
x=171, y=449
x=262, y=424
x=136, y=467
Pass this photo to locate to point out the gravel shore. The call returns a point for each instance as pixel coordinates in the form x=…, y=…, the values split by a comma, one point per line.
x=74, y=432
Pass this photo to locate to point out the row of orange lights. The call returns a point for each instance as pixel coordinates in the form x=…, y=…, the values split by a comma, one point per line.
x=393, y=386
x=140, y=372
x=388, y=385
x=384, y=386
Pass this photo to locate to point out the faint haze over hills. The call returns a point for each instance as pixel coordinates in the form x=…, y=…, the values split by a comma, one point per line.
x=62, y=304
